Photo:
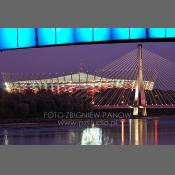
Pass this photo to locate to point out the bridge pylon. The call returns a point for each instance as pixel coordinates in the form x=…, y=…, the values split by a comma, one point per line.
x=139, y=99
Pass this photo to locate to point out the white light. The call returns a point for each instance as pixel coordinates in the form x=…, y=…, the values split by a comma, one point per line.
x=91, y=136
x=7, y=87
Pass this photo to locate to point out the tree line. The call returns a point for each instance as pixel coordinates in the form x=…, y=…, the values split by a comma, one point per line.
x=30, y=104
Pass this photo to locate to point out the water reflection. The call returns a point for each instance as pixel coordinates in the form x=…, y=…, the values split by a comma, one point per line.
x=124, y=132
x=6, y=142
x=138, y=131
x=132, y=132
x=92, y=136
x=155, y=132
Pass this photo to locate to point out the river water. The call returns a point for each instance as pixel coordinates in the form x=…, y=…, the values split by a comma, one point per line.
x=151, y=131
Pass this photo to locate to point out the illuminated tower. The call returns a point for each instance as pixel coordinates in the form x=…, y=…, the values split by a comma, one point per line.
x=139, y=100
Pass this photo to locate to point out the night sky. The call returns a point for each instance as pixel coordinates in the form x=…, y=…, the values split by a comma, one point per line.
x=67, y=58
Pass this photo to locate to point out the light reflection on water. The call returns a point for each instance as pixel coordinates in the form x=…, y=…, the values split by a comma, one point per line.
x=125, y=132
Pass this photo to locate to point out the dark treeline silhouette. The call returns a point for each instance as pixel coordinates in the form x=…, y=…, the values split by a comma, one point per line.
x=29, y=104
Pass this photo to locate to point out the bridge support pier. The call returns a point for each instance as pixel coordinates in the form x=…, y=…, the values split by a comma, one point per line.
x=135, y=111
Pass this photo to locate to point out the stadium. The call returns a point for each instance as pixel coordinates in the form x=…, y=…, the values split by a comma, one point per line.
x=73, y=82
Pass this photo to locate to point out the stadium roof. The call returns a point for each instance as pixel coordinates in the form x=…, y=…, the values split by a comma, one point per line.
x=76, y=77
x=74, y=80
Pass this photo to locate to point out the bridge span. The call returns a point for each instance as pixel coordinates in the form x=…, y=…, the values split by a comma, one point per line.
x=98, y=107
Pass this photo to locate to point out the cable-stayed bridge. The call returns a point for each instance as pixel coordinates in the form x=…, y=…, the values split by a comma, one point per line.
x=140, y=66
x=139, y=80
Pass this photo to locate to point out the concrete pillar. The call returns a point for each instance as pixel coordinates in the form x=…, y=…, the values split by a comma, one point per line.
x=139, y=100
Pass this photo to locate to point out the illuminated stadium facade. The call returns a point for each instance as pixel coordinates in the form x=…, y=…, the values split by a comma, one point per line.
x=73, y=82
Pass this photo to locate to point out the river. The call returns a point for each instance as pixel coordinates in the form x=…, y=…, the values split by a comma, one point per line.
x=150, y=131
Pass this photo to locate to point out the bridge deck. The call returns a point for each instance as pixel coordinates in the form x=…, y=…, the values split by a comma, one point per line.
x=129, y=107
